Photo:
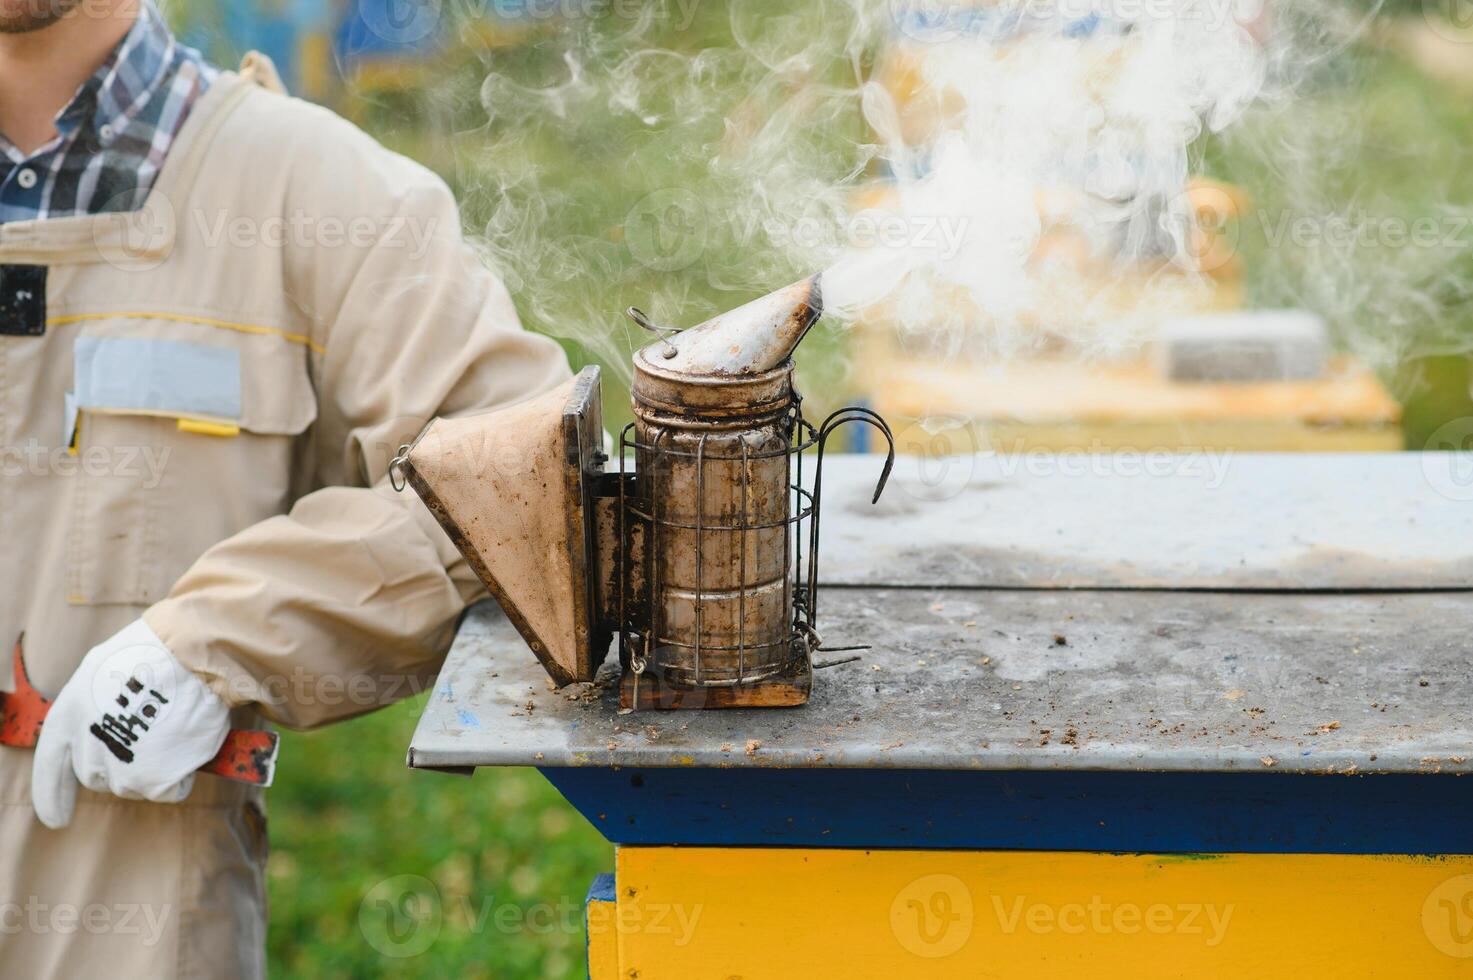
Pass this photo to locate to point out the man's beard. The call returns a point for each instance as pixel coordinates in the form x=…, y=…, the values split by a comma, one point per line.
x=23, y=16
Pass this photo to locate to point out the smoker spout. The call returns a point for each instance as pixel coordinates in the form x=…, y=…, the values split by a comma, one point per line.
x=750, y=340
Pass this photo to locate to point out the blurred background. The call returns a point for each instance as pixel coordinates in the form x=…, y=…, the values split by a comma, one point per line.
x=1293, y=273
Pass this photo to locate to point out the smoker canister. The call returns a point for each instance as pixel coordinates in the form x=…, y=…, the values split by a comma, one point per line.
x=714, y=424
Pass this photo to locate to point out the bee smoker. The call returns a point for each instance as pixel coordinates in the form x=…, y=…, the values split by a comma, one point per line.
x=690, y=548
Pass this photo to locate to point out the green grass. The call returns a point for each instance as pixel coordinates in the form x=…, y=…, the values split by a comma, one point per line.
x=1370, y=135
x=504, y=860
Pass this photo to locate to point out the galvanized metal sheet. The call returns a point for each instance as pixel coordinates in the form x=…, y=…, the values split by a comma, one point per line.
x=1000, y=680
x=1200, y=521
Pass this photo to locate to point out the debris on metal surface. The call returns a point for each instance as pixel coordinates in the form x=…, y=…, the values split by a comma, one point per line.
x=1145, y=684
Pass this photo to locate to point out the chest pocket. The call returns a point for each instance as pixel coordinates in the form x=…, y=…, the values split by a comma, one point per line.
x=182, y=436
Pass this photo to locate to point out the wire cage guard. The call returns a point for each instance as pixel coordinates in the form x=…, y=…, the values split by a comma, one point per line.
x=698, y=550
x=699, y=524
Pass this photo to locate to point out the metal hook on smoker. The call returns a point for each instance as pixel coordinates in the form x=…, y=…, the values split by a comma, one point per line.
x=856, y=414
x=638, y=316
x=842, y=417
x=398, y=478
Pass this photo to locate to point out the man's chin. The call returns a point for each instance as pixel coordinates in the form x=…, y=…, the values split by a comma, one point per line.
x=24, y=16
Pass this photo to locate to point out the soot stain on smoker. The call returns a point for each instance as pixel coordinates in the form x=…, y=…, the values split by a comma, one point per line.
x=724, y=621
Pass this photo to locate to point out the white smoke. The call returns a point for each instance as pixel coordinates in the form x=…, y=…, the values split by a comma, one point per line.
x=985, y=178
x=1059, y=137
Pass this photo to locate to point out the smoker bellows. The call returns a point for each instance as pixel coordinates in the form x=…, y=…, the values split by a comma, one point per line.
x=697, y=548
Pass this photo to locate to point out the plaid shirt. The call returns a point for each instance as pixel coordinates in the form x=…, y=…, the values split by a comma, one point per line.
x=113, y=135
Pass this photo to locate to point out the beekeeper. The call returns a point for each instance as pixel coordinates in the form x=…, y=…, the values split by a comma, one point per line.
x=221, y=311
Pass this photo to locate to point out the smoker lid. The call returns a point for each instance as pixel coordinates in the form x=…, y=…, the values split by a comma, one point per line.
x=749, y=340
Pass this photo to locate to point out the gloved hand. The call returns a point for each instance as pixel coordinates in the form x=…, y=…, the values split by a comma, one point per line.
x=132, y=722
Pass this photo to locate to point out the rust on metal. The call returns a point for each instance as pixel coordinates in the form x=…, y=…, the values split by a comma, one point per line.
x=718, y=490
x=750, y=340
x=713, y=436
x=694, y=557
x=788, y=688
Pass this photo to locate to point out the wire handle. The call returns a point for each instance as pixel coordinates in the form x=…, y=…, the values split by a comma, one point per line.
x=638, y=316
x=840, y=418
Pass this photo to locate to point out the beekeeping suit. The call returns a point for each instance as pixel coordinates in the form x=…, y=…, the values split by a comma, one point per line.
x=199, y=442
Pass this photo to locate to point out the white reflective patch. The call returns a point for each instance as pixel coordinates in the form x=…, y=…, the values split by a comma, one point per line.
x=169, y=377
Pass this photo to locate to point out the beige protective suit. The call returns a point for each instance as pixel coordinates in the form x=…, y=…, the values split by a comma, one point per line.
x=234, y=368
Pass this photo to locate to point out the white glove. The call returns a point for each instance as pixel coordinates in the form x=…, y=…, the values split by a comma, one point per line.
x=132, y=722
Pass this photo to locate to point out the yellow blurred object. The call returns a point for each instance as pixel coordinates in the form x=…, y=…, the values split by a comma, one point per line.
x=1060, y=405
x=316, y=72
x=1214, y=246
